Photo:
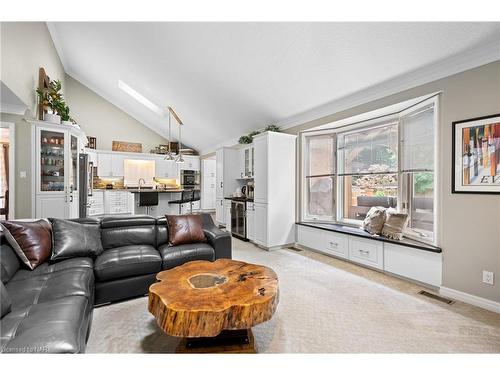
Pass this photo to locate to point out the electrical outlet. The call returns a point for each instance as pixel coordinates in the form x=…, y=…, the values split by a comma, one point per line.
x=488, y=277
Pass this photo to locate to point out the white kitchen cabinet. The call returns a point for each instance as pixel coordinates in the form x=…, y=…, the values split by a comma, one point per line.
x=219, y=211
x=261, y=227
x=250, y=221
x=166, y=169
x=96, y=203
x=226, y=174
x=118, y=202
x=110, y=165
x=55, y=170
x=227, y=214
x=245, y=165
x=191, y=162
x=274, y=180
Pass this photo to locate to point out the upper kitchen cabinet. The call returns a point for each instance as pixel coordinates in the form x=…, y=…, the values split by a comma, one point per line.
x=110, y=164
x=191, y=162
x=274, y=192
x=166, y=168
x=246, y=162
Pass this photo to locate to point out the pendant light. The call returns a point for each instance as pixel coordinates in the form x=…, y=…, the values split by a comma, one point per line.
x=179, y=158
x=169, y=155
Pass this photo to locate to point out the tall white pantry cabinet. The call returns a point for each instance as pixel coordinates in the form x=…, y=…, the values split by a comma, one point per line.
x=54, y=169
x=274, y=193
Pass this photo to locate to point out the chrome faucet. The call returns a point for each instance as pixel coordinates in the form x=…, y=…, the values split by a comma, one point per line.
x=141, y=182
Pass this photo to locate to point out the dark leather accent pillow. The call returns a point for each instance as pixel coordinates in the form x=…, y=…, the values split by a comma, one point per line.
x=5, y=301
x=184, y=229
x=71, y=239
x=31, y=240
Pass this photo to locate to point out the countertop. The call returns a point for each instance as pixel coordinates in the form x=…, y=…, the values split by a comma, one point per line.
x=136, y=191
x=240, y=199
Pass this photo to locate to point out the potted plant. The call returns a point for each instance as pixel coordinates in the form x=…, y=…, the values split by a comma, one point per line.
x=53, y=100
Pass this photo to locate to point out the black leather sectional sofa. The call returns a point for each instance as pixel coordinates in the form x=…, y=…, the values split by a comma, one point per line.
x=51, y=306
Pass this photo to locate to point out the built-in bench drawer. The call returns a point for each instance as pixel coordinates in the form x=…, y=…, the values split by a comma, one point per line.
x=324, y=241
x=423, y=266
x=365, y=251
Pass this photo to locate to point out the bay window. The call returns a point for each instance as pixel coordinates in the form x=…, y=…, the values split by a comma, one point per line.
x=387, y=161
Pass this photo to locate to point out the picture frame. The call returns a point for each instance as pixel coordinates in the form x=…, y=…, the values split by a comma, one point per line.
x=92, y=142
x=476, y=155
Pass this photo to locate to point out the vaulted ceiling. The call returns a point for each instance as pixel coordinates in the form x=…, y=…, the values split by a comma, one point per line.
x=226, y=79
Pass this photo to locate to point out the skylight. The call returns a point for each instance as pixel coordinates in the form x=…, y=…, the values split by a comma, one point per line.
x=141, y=98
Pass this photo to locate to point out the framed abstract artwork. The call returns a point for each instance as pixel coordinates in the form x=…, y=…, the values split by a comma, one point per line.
x=476, y=155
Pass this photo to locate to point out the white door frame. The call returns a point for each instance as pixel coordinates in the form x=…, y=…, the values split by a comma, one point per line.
x=12, y=166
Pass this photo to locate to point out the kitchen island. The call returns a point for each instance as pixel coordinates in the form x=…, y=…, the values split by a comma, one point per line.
x=163, y=207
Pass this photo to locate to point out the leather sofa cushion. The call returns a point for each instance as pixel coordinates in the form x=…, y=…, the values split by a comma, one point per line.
x=31, y=240
x=58, y=326
x=9, y=262
x=185, y=229
x=123, y=232
x=46, y=268
x=5, y=302
x=173, y=256
x=126, y=261
x=51, y=286
x=71, y=239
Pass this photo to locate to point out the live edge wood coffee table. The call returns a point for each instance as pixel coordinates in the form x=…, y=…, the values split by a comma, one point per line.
x=213, y=305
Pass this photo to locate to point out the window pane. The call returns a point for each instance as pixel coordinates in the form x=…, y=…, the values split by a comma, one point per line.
x=360, y=193
x=320, y=196
x=371, y=150
x=418, y=140
x=422, y=204
x=321, y=151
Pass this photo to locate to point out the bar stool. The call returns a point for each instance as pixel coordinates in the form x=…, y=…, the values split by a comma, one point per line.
x=186, y=197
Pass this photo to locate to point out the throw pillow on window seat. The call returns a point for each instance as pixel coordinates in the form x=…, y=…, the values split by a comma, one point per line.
x=31, y=240
x=395, y=224
x=374, y=221
x=185, y=229
x=72, y=239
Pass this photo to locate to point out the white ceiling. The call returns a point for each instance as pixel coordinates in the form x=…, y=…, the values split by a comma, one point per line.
x=226, y=79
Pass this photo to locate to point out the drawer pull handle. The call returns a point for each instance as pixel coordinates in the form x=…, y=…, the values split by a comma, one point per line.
x=334, y=244
x=364, y=252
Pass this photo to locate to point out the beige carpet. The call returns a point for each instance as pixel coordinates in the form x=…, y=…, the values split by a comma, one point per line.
x=326, y=306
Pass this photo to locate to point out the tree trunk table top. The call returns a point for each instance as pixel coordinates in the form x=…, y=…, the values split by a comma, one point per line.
x=201, y=298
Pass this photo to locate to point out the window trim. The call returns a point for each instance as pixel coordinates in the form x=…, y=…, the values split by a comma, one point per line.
x=384, y=120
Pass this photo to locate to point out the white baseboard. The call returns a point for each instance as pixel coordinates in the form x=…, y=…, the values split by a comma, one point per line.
x=471, y=299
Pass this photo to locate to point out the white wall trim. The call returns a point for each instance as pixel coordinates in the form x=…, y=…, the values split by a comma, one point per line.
x=470, y=298
x=12, y=167
x=481, y=55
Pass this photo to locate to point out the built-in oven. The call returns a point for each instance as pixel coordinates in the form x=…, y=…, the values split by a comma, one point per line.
x=239, y=219
x=190, y=179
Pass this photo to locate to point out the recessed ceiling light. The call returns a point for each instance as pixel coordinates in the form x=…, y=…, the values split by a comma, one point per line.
x=141, y=98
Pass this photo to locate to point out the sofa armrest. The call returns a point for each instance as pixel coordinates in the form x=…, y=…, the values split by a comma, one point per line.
x=220, y=240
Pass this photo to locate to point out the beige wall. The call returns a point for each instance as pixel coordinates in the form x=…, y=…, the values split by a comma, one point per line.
x=99, y=118
x=25, y=47
x=470, y=224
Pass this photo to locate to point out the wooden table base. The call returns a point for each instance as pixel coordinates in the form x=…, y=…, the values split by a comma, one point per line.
x=229, y=341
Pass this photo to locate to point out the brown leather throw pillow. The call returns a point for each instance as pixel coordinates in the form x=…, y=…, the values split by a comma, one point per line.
x=31, y=240
x=184, y=229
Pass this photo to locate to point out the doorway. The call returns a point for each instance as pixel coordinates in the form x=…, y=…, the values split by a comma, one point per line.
x=7, y=171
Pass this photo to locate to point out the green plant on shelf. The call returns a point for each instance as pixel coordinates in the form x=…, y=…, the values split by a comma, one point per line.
x=53, y=99
x=247, y=139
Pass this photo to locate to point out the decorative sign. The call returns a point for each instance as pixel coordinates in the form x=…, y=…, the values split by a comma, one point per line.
x=476, y=155
x=126, y=146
